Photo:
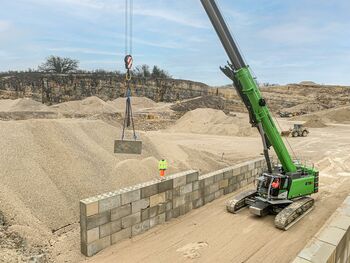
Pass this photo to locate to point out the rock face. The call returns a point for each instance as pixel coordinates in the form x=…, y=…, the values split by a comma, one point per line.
x=57, y=88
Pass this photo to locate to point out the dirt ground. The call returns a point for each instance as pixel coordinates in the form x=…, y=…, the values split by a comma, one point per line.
x=48, y=165
x=210, y=234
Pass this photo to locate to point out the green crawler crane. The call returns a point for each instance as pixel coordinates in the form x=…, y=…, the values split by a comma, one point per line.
x=283, y=189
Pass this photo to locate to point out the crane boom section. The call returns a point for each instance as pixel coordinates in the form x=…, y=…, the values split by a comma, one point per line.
x=262, y=114
x=248, y=87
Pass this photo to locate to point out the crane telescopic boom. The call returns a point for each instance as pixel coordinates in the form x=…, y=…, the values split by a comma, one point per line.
x=248, y=89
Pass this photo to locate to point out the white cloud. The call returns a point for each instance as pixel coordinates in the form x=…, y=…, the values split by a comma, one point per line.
x=85, y=3
x=92, y=4
x=288, y=33
x=4, y=25
x=84, y=51
x=301, y=32
x=88, y=9
x=168, y=45
x=239, y=18
x=176, y=17
x=9, y=34
x=93, y=63
x=280, y=39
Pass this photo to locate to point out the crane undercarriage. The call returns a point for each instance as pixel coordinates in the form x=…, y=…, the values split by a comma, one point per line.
x=271, y=197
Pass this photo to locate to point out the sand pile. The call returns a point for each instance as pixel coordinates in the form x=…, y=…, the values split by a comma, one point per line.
x=137, y=103
x=48, y=165
x=315, y=122
x=25, y=108
x=90, y=105
x=22, y=105
x=213, y=102
x=210, y=121
x=337, y=115
x=306, y=107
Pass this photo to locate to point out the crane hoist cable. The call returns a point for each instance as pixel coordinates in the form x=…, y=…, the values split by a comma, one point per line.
x=128, y=61
x=125, y=146
x=129, y=13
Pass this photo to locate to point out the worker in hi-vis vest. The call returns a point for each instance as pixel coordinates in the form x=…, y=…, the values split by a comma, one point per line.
x=162, y=166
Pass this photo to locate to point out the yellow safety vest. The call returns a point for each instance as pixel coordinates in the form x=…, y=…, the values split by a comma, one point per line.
x=162, y=165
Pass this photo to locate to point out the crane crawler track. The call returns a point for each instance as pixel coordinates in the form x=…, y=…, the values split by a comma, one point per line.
x=293, y=213
x=238, y=201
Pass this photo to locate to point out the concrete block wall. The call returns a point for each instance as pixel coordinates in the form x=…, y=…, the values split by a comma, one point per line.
x=332, y=243
x=109, y=218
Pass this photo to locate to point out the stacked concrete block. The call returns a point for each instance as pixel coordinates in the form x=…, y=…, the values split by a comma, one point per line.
x=332, y=243
x=230, y=179
x=181, y=194
x=109, y=218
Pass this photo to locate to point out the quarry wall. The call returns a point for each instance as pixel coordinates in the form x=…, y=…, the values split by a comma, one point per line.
x=332, y=243
x=57, y=88
x=109, y=218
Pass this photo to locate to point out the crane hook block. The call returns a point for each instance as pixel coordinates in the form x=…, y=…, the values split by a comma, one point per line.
x=128, y=62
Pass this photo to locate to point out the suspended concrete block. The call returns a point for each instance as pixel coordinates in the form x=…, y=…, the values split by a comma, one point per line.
x=128, y=146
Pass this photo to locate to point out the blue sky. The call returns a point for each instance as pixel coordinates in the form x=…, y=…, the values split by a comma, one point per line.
x=283, y=41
